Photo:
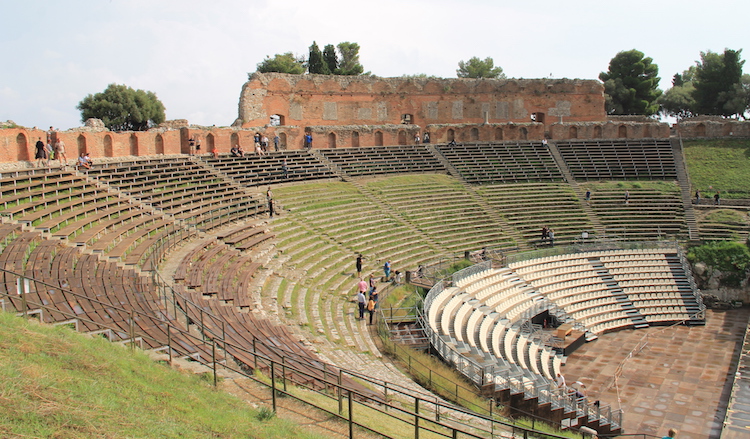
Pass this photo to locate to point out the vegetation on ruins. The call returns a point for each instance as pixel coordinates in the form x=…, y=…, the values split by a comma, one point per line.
x=715, y=85
x=731, y=258
x=631, y=84
x=478, y=68
x=315, y=62
x=282, y=63
x=122, y=108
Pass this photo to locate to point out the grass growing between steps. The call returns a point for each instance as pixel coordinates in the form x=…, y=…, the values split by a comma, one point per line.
x=719, y=164
x=58, y=383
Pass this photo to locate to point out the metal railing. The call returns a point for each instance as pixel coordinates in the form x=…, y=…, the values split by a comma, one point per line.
x=421, y=412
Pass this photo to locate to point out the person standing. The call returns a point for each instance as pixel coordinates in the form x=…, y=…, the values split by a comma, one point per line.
x=284, y=169
x=588, y=196
x=41, y=153
x=373, y=286
x=276, y=141
x=308, y=141
x=60, y=153
x=417, y=140
x=387, y=270
x=269, y=199
x=264, y=143
x=358, y=264
x=372, y=304
x=627, y=197
x=551, y=235
x=697, y=196
x=717, y=198
x=426, y=137
x=361, y=299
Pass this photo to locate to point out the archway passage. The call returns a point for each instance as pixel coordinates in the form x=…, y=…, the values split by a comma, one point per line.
x=622, y=132
x=523, y=134
x=331, y=140
x=234, y=140
x=22, y=144
x=597, y=132
x=355, y=139
x=133, y=144
x=700, y=130
x=451, y=135
x=573, y=133
x=81, y=145
x=474, y=134
x=282, y=140
x=378, y=138
x=210, y=143
x=402, y=137
x=498, y=133
x=159, y=144
x=108, y=150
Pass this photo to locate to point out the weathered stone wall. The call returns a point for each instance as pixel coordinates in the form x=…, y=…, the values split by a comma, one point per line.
x=324, y=100
x=713, y=128
x=608, y=130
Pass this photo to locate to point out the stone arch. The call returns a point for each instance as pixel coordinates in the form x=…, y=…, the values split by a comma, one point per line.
x=378, y=138
x=210, y=142
x=81, y=145
x=646, y=130
x=159, y=144
x=331, y=140
x=451, y=135
x=282, y=140
x=498, y=133
x=402, y=137
x=133, y=144
x=474, y=134
x=700, y=130
x=108, y=152
x=726, y=129
x=355, y=139
x=597, y=132
x=622, y=132
x=523, y=133
x=234, y=139
x=573, y=133
x=22, y=147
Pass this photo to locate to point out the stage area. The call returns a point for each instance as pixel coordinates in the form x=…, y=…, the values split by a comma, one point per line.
x=676, y=380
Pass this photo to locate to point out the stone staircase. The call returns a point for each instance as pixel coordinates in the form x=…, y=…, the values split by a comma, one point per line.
x=684, y=182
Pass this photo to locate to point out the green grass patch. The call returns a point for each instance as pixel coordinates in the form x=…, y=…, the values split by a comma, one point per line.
x=719, y=165
x=57, y=383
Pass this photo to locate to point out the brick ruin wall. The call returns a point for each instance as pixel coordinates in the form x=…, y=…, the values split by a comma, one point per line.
x=341, y=111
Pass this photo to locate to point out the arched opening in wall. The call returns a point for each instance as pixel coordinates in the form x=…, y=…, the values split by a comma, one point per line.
x=282, y=140
x=726, y=129
x=210, y=143
x=407, y=119
x=402, y=137
x=159, y=144
x=234, y=140
x=646, y=130
x=537, y=117
x=597, y=132
x=378, y=138
x=108, y=146
x=81, y=145
x=498, y=133
x=276, y=120
x=622, y=132
x=474, y=134
x=573, y=133
x=331, y=140
x=355, y=139
x=22, y=147
x=451, y=135
x=523, y=134
x=133, y=144
x=700, y=130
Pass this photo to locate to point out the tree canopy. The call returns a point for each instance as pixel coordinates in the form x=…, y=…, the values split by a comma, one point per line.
x=631, y=84
x=282, y=63
x=315, y=62
x=349, y=63
x=718, y=84
x=477, y=68
x=330, y=58
x=122, y=108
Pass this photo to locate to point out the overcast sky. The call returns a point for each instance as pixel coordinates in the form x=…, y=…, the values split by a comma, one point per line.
x=195, y=55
